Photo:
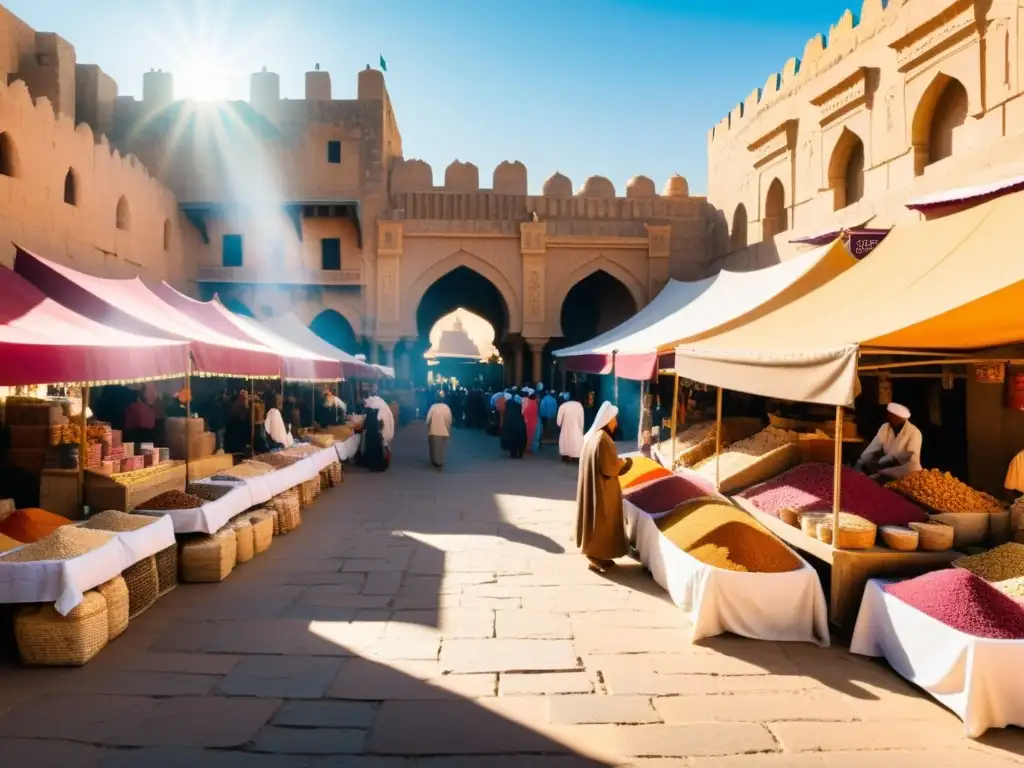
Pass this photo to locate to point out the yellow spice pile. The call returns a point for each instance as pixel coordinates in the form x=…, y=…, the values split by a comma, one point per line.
x=1002, y=567
x=944, y=493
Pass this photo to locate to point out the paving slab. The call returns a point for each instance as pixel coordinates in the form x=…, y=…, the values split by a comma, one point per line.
x=286, y=677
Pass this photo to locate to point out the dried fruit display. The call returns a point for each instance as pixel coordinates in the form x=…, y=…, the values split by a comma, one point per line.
x=808, y=487
x=963, y=601
x=173, y=500
x=944, y=493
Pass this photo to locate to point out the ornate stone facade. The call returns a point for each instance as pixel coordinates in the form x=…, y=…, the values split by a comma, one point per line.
x=917, y=97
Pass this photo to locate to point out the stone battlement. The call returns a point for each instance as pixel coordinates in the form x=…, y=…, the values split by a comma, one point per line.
x=819, y=55
x=510, y=178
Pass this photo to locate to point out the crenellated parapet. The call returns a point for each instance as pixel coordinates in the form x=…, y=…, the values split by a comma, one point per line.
x=819, y=54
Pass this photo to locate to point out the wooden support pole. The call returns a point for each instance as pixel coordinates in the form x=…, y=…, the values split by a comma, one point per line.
x=83, y=447
x=252, y=418
x=675, y=408
x=718, y=439
x=837, y=478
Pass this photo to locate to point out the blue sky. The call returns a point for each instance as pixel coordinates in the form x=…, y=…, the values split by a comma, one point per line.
x=609, y=87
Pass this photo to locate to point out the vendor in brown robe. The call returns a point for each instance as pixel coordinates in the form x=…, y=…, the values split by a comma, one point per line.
x=600, y=529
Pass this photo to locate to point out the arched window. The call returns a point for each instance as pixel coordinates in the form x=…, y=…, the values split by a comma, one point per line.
x=70, y=188
x=738, y=237
x=8, y=156
x=167, y=234
x=942, y=110
x=124, y=216
x=775, y=220
x=846, y=170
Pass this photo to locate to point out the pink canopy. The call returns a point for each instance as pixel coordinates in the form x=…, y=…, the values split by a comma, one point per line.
x=298, y=362
x=43, y=342
x=129, y=306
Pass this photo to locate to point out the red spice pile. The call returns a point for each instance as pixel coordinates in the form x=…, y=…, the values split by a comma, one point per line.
x=808, y=487
x=963, y=601
x=667, y=494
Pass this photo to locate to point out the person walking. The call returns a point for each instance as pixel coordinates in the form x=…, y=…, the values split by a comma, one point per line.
x=439, y=429
x=513, y=428
x=570, y=426
x=600, y=529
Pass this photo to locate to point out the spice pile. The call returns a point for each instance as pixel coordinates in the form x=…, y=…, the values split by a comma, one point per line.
x=211, y=491
x=7, y=543
x=745, y=453
x=725, y=537
x=173, y=500
x=118, y=522
x=63, y=544
x=963, y=601
x=808, y=487
x=31, y=524
x=278, y=460
x=138, y=475
x=944, y=493
x=687, y=441
x=667, y=494
x=1002, y=567
x=642, y=471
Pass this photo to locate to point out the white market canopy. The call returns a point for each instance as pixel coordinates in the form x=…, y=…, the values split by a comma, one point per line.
x=295, y=331
x=951, y=284
x=686, y=311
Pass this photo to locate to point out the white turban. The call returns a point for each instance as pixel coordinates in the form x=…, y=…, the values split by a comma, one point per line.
x=605, y=414
x=899, y=411
x=507, y=395
x=527, y=391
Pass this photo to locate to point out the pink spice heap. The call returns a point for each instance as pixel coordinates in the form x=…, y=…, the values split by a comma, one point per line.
x=963, y=601
x=667, y=494
x=808, y=488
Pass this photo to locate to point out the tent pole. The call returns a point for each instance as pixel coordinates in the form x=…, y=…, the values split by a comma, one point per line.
x=675, y=406
x=188, y=418
x=83, y=448
x=718, y=439
x=615, y=382
x=252, y=418
x=837, y=478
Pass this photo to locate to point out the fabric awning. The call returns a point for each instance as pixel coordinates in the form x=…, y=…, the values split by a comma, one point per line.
x=43, y=342
x=955, y=283
x=386, y=371
x=978, y=193
x=128, y=305
x=290, y=327
x=695, y=310
x=297, y=361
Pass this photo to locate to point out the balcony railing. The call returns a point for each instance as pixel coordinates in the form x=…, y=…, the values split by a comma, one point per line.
x=280, y=277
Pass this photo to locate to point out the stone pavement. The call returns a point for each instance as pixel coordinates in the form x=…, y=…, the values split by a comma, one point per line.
x=420, y=618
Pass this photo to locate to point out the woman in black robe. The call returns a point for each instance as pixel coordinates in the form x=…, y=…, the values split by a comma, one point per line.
x=513, y=428
x=372, y=452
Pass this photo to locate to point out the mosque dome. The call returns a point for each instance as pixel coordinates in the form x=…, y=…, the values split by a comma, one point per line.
x=640, y=186
x=676, y=186
x=597, y=186
x=558, y=184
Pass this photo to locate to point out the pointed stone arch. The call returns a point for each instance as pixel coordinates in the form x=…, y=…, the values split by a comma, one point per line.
x=775, y=219
x=738, y=231
x=943, y=108
x=846, y=170
x=601, y=264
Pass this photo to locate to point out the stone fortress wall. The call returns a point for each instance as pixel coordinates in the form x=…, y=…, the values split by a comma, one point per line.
x=908, y=98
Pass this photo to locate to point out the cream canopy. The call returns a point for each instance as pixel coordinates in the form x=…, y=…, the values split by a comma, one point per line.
x=955, y=283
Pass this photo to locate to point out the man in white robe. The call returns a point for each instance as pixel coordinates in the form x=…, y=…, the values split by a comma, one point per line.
x=896, y=450
x=384, y=415
x=570, y=423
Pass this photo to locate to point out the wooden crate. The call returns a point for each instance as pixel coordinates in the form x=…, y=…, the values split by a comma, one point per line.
x=102, y=493
x=211, y=465
x=58, y=492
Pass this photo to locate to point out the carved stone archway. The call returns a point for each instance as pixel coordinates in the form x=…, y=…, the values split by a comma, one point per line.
x=601, y=264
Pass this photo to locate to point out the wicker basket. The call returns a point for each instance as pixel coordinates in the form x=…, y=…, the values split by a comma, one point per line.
x=899, y=538
x=245, y=549
x=325, y=480
x=934, y=537
x=167, y=568
x=45, y=638
x=334, y=474
x=854, y=532
x=288, y=511
x=115, y=592
x=308, y=491
x=262, y=522
x=276, y=517
x=790, y=517
x=207, y=559
x=809, y=522
x=143, y=585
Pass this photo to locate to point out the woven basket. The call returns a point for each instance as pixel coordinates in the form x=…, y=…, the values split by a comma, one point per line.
x=308, y=491
x=854, y=532
x=288, y=511
x=45, y=638
x=790, y=517
x=899, y=538
x=934, y=537
x=207, y=559
x=245, y=548
x=167, y=568
x=809, y=522
x=325, y=480
x=262, y=523
x=334, y=474
x=115, y=592
x=277, y=521
x=143, y=585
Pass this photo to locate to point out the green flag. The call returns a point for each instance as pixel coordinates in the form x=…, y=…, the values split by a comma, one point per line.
x=383, y=64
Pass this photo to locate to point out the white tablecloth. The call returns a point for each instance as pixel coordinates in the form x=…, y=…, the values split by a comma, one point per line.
x=324, y=457
x=211, y=516
x=978, y=679
x=348, y=447
x=65, y=582
x=281, y=480
x=764, y=606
